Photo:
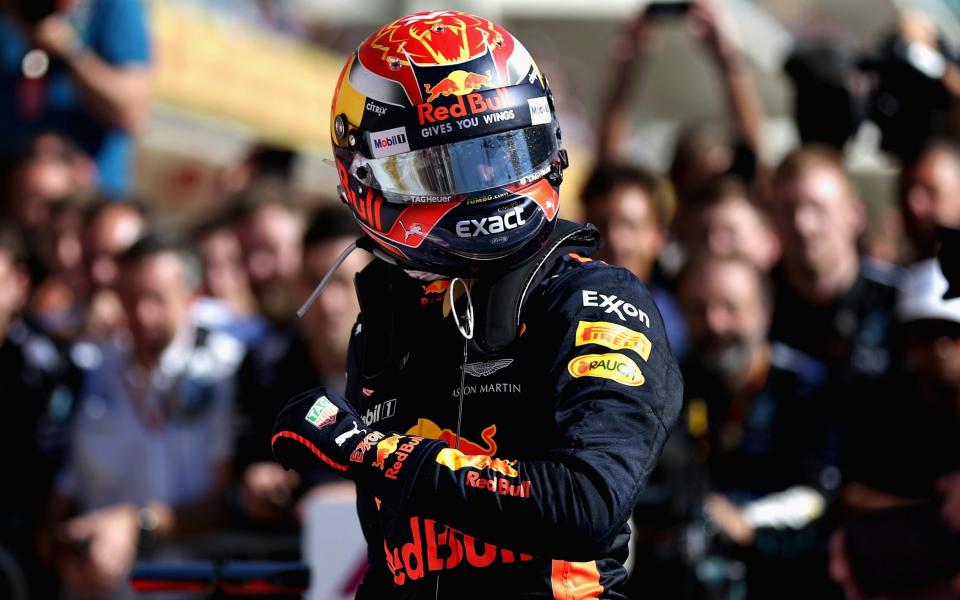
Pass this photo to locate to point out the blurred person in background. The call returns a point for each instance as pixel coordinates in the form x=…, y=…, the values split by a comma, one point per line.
x=729, y=223
x=703, y=152
x=150, y=450
x=271, y=233
x=830, y=303
x=629, y=207
x=226, y=302
x=81, y=68
x=901, y=457
x=110, y=228
x=318, y=356
x=262, y=161
x=45, y=169
x=47, y=183
x=929, y=197
x=38, y=405
x=755, y=443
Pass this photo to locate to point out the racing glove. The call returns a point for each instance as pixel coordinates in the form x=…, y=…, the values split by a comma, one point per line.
x=320, y=429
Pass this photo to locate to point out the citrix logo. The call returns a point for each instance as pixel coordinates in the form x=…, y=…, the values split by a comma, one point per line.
x=491, y=225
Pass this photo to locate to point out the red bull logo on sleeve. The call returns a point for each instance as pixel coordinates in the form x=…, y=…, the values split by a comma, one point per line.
x=456, y=460
x=458, y=83
x=385, y=448
x=400, y=448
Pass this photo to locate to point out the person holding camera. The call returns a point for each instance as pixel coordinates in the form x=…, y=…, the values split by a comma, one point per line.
x=703, y=152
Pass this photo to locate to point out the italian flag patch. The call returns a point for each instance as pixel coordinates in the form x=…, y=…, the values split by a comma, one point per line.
x=322, y=413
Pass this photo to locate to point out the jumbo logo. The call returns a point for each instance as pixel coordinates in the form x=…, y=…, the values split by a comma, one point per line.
x=613, y=336
x=615, y=367
x=456, y=460
x=490, y=225
x=468, y=104
x=428, y=429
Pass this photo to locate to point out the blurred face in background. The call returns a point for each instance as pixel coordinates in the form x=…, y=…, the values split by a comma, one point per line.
x=631, y=230
x=35, y=184
x=107, y=236
x=727, y=317
x=220, y=253
x=52, y=171
x=933, y=349
x=818, y=219
x=14, y=285
x=271, y=238
x=329, y=323
x=733, y=226
x=930, y=198
x=156, y=296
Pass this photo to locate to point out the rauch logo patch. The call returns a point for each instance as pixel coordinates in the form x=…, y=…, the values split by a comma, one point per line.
x=612, y=366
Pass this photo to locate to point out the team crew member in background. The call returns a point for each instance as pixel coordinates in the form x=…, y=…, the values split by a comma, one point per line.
x=514, y=395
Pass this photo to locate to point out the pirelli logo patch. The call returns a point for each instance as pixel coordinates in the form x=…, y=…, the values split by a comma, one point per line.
x=613, y=366
x=613, y=336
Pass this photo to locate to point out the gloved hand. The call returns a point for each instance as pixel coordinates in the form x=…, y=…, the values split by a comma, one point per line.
x=319, y=429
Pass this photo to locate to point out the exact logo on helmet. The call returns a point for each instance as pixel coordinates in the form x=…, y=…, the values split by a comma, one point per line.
x=491, y=225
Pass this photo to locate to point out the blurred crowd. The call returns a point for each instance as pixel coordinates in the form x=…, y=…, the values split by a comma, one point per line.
x=143, y=360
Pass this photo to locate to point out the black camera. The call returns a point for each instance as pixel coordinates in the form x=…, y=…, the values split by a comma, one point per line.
x=34, y=11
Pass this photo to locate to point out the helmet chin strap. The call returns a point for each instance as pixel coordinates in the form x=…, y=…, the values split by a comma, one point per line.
x=326, y=278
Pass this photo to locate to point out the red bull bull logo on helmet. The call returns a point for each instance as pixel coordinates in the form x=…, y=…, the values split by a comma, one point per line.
x=458, y=83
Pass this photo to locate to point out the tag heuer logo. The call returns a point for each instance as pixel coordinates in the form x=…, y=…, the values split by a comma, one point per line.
x=483, y=369
x=322, y=413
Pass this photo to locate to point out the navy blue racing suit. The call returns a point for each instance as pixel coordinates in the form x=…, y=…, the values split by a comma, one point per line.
x=558, y=431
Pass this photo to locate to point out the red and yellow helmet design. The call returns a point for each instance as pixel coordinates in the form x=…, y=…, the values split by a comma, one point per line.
x=447, y=145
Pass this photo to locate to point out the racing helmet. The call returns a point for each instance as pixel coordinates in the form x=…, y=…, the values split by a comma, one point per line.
x=446, y=145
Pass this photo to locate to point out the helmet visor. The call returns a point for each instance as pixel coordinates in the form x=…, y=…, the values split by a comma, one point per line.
x=463, y=167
